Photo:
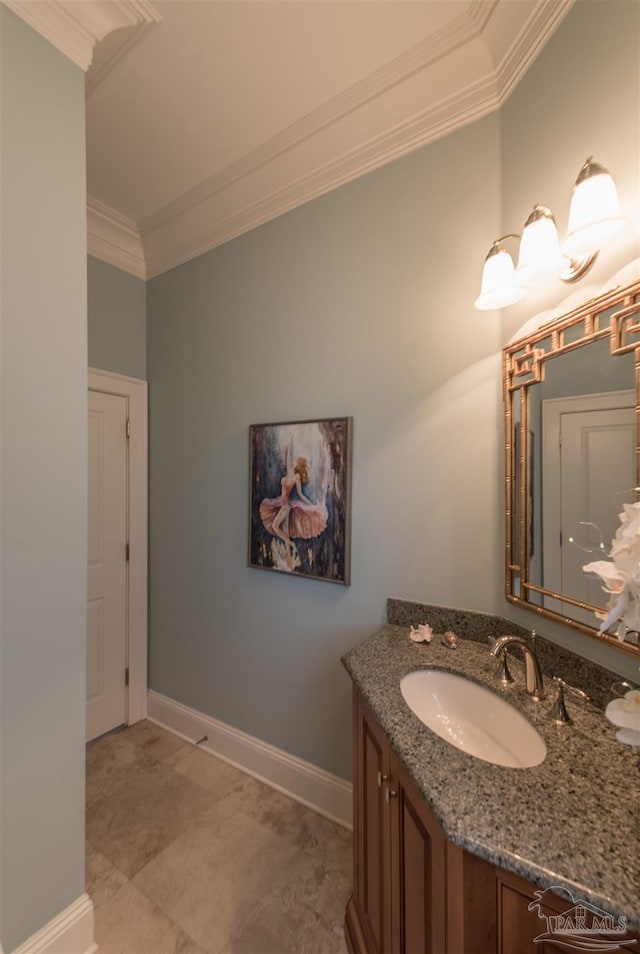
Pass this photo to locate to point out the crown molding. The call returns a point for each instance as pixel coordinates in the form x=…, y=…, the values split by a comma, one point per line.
x=526, y=46
x=174, y=234
x=481, y=11
x=476, y=101
x=74, y=28
x=114, y=239
x=415, y=60
x=126, y=42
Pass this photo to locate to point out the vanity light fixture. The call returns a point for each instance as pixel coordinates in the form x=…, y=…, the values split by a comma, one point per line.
x=540, y=254
x=594, y=217
x=499, y=287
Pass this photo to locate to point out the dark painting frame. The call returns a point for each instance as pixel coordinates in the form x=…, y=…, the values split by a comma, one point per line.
x=300, y=498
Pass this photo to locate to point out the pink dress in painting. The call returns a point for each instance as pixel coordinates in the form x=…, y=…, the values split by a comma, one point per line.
x=304, y=521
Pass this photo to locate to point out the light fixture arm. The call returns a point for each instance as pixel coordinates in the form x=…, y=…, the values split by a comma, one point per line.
x=540, y=212
x=509, y=235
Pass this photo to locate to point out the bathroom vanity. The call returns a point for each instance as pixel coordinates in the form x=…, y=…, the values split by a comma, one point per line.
x=449, y=849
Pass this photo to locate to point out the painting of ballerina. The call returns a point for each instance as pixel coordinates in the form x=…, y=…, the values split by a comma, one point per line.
x=300, y=504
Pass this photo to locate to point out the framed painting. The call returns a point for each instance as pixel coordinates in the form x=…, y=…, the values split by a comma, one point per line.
x=300, y=498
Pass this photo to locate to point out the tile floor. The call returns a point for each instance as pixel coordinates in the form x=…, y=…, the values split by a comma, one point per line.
x=186, y=854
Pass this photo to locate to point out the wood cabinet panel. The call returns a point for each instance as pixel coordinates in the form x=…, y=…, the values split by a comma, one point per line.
x=518, y=926
x=373, y=841
x=476, y=903
x=373, y=890
x=399, y=882
x=414, y=883
x=418, y=869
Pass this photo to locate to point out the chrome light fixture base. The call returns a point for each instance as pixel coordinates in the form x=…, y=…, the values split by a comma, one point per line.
x=578, y=267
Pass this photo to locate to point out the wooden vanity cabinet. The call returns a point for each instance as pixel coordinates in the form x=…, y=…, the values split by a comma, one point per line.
x=418, y=866
x=399, y=893
x=413, y=891
x=371, y=829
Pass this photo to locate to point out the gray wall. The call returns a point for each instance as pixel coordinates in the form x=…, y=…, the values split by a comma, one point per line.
x=42, y=480
x=347, y=306
x=117, y=320
x=361, y=303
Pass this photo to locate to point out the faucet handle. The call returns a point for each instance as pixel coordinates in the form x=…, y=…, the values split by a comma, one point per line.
x=558, y=711
x=621, y=688
x=502, y=670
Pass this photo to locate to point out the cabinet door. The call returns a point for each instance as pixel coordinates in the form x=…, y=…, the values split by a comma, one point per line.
x=418, y=866
x=372, y=890
x=518, y=927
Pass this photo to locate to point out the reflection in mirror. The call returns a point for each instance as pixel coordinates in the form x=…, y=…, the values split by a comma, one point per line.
x=571, y=456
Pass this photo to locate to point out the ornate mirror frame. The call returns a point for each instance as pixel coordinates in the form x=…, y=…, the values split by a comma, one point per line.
x=614, y=316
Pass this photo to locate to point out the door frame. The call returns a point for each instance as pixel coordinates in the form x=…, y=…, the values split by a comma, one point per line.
x=135, y=391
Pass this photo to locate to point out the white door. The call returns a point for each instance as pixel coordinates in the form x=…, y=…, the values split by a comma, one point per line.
x=107, y=570
x=594, y=473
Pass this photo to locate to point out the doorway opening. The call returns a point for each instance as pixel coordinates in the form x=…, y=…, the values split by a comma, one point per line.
x=117, y=551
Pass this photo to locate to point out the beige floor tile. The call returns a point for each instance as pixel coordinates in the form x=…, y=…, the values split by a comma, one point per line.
x=305, y=915
x=219, y=859
x=305, y=828
x=211, y=877
x=110, y=761
x=198, y=766
x=156, y=741
x=143, y=815
x=102, y=878
x=270, y=930
x=321, y=888
x=330, y=843
x=130, y=923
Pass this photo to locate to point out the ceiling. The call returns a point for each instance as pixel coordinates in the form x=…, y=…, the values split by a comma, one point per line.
x=206, y=118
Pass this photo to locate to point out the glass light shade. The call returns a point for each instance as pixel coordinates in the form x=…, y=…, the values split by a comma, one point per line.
x=540, y=254
x=498, y=287
x=594, y=216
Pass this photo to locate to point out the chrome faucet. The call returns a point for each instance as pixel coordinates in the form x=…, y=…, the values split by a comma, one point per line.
x=533, y=673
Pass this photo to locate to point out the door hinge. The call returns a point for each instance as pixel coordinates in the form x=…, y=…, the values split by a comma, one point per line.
x=126, y=676
x=127, y=552
x=128, y=428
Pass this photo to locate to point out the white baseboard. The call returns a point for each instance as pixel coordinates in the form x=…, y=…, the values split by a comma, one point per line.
x=325, y=793
x=70, y=932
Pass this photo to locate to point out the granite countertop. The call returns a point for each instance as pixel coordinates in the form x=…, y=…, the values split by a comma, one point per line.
x=573, y=821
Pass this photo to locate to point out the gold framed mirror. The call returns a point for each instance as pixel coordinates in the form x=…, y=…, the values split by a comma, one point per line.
x=572, y=458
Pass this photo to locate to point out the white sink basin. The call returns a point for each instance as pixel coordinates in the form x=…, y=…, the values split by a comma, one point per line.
x=472, y=718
